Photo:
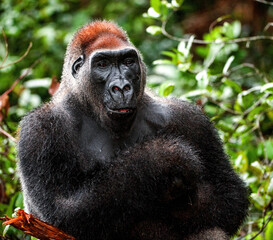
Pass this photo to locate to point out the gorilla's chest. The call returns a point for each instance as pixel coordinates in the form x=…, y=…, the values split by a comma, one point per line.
x=95, y=144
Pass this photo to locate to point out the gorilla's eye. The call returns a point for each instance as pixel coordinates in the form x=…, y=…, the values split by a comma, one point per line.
x=129, y=61
x=76, y=65
x=103, y=64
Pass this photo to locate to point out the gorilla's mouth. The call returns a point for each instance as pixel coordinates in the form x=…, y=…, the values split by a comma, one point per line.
x=121, y=110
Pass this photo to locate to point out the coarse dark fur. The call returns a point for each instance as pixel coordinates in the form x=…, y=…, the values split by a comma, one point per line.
x=159, y=172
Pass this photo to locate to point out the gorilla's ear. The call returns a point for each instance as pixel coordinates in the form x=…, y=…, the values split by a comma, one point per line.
x=77, y=65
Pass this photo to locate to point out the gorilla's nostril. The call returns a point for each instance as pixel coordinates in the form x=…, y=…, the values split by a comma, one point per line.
x=127, y=87
x=115, y=89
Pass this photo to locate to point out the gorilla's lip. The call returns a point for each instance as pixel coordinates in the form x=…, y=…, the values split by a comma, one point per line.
x=123, y=110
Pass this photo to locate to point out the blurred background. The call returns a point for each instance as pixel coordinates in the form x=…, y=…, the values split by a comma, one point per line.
x=215, y=53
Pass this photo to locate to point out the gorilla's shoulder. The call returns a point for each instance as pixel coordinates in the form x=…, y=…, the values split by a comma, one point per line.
x=176, y=110
x=182, y=116
x=44, y=118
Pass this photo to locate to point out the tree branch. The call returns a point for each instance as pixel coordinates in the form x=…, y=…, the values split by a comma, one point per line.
x=265, y=2
x=7, y=135
x=203, y=42
x=35, y=227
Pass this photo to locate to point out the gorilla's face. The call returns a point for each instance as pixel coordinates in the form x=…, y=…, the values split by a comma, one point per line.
x=113, y=80
x=117, y=75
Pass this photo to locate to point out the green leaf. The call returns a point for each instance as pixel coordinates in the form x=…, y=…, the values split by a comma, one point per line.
x=270, y=188
x=156, y=5
x=169, y=54
x=35, y=83
x=202, y=79
x=241, y=162
x=19, y=203
x=6, y=230
x=162, y=62
x=185, y=48
x=257, y=168
x=183, y=67
x=269, y=148
x=152, y=13
x=269, y=231
x=236, y=27
x=224, y=126
x=177, y=3
x=235, y=86
x=195, y=93
x=153, y=30
x=232, y=30
x=165, y=89
x=257, y=200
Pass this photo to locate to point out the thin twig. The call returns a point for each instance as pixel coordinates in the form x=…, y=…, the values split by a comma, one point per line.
x=7, y=135
x=265, y=2
x=7, y=48
x=268, y=26
x=204, y=42
x=249, y=65
x=21, y=77
x=20, y=59
x=223, y=106
x=262, y=138
x=256, y=104
x=265, y=223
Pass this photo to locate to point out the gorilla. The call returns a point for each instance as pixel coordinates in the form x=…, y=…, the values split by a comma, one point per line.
x=105, y=160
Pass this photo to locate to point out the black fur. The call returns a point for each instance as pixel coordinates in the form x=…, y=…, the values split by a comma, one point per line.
x=164, y=177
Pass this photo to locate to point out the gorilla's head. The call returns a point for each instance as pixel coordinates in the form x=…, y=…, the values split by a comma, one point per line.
x=105, y=72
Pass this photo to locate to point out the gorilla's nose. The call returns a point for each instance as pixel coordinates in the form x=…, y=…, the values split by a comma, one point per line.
x=121, y=90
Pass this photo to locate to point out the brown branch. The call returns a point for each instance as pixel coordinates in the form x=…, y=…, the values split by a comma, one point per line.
x=265, y=2
x=21, y=77
x=265, y=223
x=35, y=227
x=199, y=41
x=7, y=135
x=18, y=60
x=7, y=48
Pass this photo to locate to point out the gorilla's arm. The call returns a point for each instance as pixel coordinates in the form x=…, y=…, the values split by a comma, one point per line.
x=222, y=195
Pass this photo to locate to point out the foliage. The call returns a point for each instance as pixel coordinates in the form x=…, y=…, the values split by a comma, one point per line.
x=231, y=80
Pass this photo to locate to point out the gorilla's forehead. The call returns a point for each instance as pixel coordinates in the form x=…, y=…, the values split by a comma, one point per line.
x=128, y=51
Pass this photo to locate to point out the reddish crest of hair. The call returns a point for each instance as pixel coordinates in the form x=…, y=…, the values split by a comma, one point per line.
x=100, y=35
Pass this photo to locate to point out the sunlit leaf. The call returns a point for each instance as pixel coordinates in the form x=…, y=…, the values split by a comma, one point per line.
x=241, y=162
x=6, y=230
x=156, y=4
x=257, y=200
x=257, y=168
x=184, y=66
x=235, y=86
x=270, y=187
x=152, y=13
x=177, y=3
x=165, y=89
x=162, y=62
x=153, y=30
x=269, y=231
x=269, y=148
x=202, y=79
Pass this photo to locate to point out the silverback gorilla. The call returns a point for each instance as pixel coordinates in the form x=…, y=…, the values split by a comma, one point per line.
x=103, y=160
